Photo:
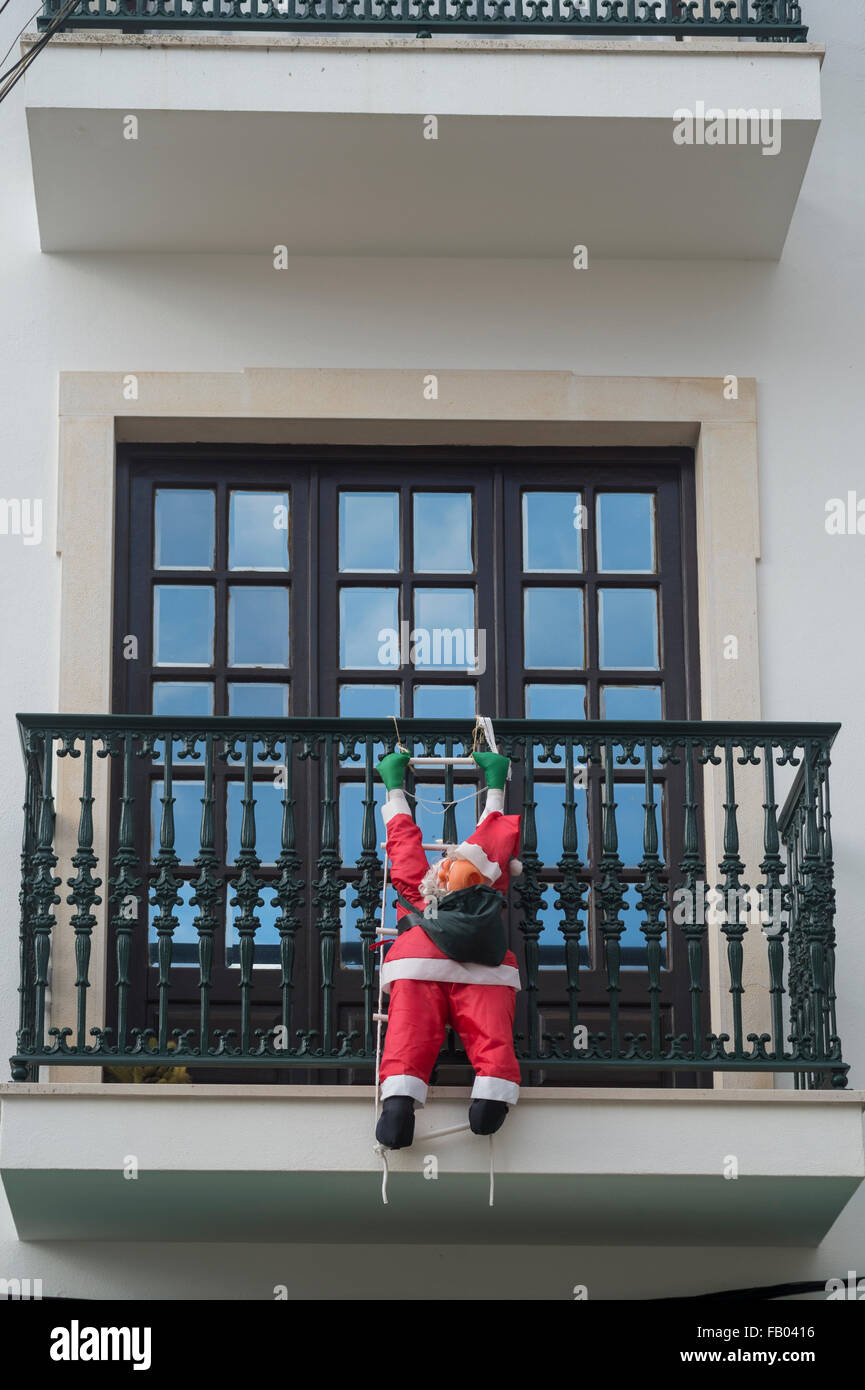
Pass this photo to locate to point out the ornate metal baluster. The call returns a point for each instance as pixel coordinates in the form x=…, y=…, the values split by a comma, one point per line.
x=125, y=885
x=247, y=897
x=43, y=894
x=694, y=928
x=651, y=901
x=328, y=898
x=84, y=895
x=734, y=892
x=817, y=907
x=26, y=966
x=773, y=898
x=530, y=894
x=288, y=893
x=368, y=897
x=611, y=895
x=827, y=869
x=208, y=890
x=572, y=893
x=165, y=892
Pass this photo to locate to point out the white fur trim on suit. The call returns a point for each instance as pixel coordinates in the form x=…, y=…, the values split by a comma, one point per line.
x=475, y=855
x=449, y=971
x=396, y=805
x=495, y=802
x=494, y=1088
x=406, y=1086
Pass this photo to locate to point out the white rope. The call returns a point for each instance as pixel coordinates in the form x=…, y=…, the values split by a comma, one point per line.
x=492, y=1174
x=379, y=1148
x=443, y=805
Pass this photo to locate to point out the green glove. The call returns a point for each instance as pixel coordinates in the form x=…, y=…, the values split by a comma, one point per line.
x=494, y=767
x=391, y=770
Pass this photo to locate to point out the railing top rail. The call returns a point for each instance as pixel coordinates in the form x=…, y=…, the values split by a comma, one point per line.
x=659, y=729
x=761, y=19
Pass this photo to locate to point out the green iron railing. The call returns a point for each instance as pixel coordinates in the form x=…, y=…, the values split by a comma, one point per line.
x=131, y=901
x=751, y=19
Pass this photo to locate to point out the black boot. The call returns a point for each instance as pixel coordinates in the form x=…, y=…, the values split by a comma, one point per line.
x=486, y=1116
x=395, y=1129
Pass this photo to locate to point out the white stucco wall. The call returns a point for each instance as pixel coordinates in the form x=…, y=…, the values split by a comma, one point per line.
x=794, y=326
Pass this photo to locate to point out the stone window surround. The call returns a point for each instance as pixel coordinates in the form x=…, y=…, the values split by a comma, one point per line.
x=383, y=406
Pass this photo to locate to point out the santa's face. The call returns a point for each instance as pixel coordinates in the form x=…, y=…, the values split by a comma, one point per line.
x=454, y=874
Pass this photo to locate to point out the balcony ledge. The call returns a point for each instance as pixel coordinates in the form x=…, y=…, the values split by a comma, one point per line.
x=338, y=117
x=295, y=1164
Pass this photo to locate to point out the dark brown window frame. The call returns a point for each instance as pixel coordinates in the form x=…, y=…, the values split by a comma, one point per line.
x=423, y=468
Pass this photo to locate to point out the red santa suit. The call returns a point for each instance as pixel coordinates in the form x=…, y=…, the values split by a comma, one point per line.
x=429, y=990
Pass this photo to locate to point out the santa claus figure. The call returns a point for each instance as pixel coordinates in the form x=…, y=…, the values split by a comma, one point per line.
x=450, y=964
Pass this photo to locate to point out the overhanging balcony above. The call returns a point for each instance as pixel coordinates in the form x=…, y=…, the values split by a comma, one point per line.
x=481, y=144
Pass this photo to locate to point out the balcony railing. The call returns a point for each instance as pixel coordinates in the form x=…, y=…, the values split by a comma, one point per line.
x=619, y=880
x=732, y=19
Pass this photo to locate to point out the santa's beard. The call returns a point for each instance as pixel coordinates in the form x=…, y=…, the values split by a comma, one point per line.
x=431, y=885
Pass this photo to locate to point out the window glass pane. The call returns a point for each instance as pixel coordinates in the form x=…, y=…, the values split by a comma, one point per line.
x=443, y=533
x=184, y=941
x=550, y=820
x=368, y=629
x=266, y=940
x=184, y=529
x=553, y=629
x=265, y=699
x=351, y=796
x=555, y=701
x=553, y=524
x=444, y=702
x=183, y=625
x=257, y=626
x=444, y=634
x=626, y=532
x=630, y=702
x=369, y=532
x=258, y=531
x=268, y=820
x=186, y=699
x=368, y=701
x=187, y=818
x=628, y=628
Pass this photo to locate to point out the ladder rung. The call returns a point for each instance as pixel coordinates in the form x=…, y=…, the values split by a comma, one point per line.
x=434, y=762
x=379, y=1018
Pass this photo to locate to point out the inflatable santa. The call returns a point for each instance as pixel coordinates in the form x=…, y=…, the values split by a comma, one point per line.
x=450, y=963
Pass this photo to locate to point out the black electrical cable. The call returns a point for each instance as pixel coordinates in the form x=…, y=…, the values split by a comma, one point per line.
x=764, y=1291
x=13, y=75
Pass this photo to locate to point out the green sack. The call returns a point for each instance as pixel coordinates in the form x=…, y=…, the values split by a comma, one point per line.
x=467, y=925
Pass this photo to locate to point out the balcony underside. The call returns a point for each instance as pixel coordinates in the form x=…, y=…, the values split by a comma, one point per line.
x=318, y=144
x=296, y=1165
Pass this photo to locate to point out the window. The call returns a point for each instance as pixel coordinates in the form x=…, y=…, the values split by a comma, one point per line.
x=365, y=583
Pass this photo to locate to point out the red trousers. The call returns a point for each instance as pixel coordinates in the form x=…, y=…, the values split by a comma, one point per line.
x=483, y=1015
